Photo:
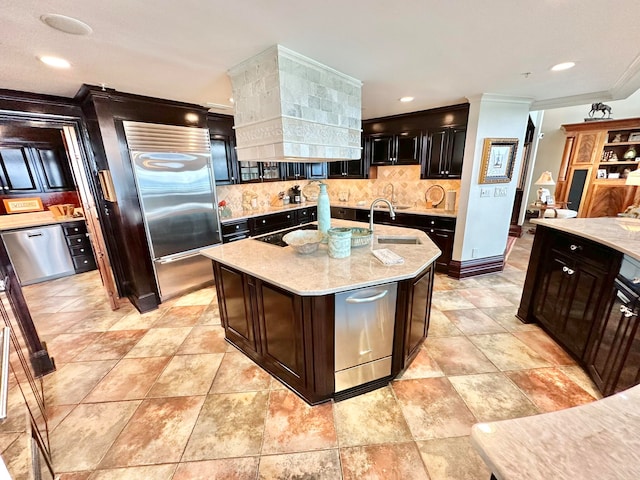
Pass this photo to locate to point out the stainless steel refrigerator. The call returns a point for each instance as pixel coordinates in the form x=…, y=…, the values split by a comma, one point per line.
x=174, y=177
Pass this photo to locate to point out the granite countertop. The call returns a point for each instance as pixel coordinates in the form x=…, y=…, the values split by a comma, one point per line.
x=619, y=233
x=416, y=210
x=319, y=274
x=35, y=219
x=594, y=441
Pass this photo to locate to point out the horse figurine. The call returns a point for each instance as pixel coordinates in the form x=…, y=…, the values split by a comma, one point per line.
x=600, y=107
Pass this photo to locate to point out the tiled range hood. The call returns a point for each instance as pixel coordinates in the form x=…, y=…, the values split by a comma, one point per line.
x=290, y=108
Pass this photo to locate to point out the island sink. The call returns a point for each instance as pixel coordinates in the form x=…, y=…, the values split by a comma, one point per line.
x=399, y=240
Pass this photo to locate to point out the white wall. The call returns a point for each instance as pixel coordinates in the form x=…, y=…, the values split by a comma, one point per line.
x=483, y=223
x=551, y=145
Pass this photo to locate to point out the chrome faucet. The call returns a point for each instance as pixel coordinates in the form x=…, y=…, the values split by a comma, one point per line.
x=391, y=210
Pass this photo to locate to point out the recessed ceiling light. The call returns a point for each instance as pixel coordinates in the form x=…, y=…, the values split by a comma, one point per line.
x=563, y=66
x=406, y=99
x=66, y=24
x=55, y=62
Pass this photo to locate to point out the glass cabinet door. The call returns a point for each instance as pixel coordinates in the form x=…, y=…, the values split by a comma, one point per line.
x=249, y=171
x=270, y=171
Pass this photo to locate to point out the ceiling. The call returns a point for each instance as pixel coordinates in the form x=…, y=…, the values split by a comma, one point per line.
x=439, y=52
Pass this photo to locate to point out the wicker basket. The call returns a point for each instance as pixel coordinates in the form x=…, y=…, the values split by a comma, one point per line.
x=360, y=237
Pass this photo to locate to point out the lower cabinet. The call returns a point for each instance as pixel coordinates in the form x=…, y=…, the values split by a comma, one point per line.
x=250, y=227
x=586, y=296
x=293, y=336
x=79, y=246
x=614, y=359
x=417, y=318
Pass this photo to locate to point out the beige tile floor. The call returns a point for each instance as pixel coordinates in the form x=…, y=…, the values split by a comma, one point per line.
x=162, y=396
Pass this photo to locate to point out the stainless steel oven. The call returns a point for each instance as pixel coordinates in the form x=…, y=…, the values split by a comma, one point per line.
x=364, y=326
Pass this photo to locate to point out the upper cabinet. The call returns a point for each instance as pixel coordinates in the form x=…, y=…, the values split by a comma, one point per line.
x=34, y=161
x=395, y=149
x=433, y=139
x=347, y=169
x=223, y=152
x=445, y=153
x=597, y=158
x=255, y=172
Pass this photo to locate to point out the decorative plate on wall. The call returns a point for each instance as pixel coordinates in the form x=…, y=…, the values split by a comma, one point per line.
x=434, y=195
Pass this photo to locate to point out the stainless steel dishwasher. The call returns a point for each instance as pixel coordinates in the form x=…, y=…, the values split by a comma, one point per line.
x=364, y=326
x=38, y=254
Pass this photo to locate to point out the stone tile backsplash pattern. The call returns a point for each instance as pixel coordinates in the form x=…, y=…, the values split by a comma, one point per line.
x=408, y=188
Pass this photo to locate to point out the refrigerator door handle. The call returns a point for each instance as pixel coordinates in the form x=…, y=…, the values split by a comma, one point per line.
x=177, y=257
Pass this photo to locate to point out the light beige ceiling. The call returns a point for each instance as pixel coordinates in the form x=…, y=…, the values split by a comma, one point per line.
x=441, y=52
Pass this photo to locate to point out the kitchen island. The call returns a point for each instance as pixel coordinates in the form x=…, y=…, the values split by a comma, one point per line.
x=291, y=313
x=583, y=287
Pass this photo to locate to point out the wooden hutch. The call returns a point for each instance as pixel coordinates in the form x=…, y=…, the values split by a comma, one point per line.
x=593, y=170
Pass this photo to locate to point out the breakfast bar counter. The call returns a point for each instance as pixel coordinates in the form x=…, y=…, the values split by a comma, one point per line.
x=327, y=327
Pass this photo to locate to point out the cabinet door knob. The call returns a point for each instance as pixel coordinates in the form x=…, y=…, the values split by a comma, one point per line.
x=237, y=227
x=432, y=230
x=264, y=221
x=568, y=271
x=573, y=247
x=288, y=216
x=636, y=280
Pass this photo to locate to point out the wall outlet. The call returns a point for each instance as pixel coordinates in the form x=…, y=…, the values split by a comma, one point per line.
x=500, y=192
x=474, y=253
x=485, y=192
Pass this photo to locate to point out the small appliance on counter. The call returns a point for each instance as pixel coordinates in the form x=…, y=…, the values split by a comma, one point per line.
x=295, y=195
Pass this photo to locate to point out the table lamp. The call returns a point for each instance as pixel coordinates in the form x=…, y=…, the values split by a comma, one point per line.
x=633, y=178
x=543, y=193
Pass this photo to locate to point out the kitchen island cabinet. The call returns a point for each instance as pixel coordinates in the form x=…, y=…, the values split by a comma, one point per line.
x=582, y=291
x=280, y=308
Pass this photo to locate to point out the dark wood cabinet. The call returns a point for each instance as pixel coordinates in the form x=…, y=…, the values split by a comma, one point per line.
x=294, y=171
x=586, y=296
x=272, y=222
x=445, y=153
x=282, y=333
x=255, y=172
x=237, y=309
x=417, y=317
x=614, y=358
x=79, y=246
x=293, y=336
x=236, y=230
x=223, y=160
x=18, y=175
x=34, y=169
x=347, y=169
x=402, y=148
x=316, y=170
x=575, y=280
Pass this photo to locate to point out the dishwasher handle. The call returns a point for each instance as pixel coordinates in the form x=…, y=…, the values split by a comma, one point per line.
x=39, y=234
x=374, y=298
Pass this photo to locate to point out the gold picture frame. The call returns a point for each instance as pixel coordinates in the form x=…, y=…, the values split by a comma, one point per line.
x=498, y=159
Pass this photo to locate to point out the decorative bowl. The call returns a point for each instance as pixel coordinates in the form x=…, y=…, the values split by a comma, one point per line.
x=360, y=237
x=303, y=241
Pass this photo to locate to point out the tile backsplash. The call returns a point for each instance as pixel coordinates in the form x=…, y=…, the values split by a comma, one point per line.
x=408, y=188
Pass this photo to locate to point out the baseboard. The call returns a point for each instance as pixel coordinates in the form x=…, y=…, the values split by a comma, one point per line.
x=144, y=303
x=515, y=231
x=477, y=266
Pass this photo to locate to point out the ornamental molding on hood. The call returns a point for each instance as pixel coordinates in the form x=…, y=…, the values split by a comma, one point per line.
x=291, y=108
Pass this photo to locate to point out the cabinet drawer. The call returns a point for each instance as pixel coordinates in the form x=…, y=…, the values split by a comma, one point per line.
x=234, y=238
x=78, y=240
x=234, y=228
x=83, y=263
x=75, y=228
x=77, y=250
x=442, y=223
x=306, y=215
x=276, y=221
x=343, y=213
x=581, y=250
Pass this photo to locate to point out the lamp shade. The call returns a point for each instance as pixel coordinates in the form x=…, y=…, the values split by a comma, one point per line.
x=545, y=179
x=633, y=178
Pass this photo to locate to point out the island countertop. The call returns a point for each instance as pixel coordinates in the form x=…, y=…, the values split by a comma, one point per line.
x=319, y=274
x=619, y=233
x=594, y=441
